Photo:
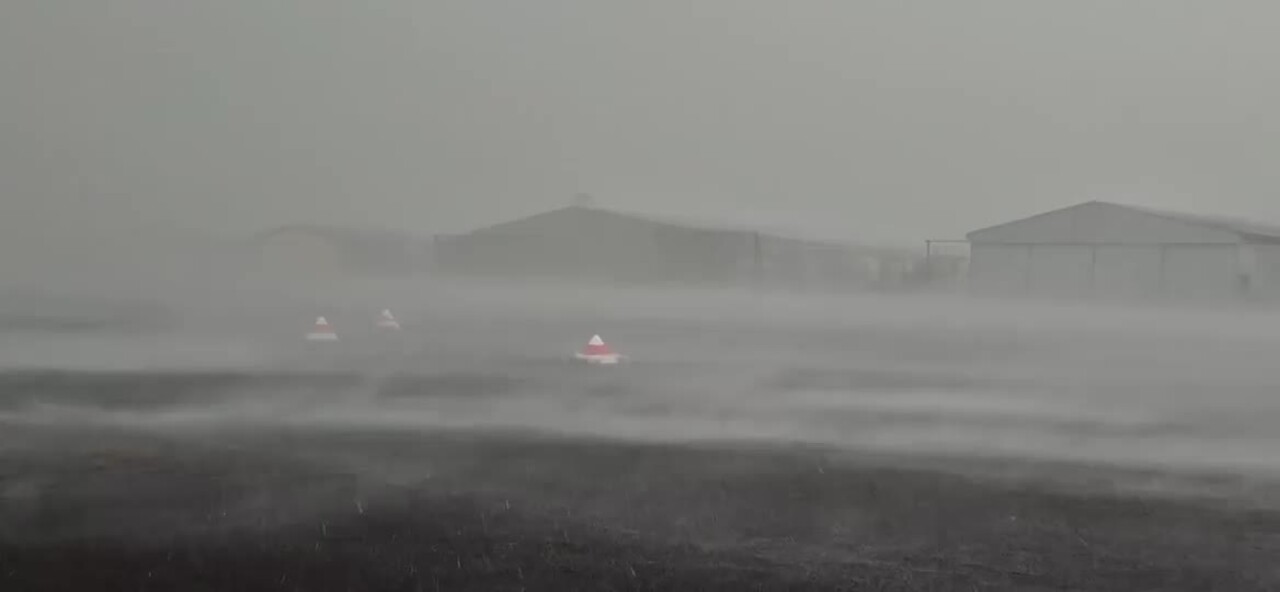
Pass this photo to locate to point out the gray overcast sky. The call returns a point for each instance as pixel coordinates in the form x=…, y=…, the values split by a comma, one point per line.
x=891, y=120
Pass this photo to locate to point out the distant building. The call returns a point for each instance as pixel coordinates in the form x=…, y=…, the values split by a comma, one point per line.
x=310, y=250
x=1099, y=249
x=583, y=242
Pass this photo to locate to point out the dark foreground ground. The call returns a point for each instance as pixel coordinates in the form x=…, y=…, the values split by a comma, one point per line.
x=99, y=509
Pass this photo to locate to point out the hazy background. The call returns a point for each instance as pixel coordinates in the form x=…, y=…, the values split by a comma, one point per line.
x=876, y=121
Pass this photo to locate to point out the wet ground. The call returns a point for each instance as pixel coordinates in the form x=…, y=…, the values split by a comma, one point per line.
x=359, y=510
x=883, y=446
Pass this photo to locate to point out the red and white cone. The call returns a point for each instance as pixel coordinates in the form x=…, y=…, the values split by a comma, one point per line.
x=322, y=331
x=387, y=321
x=598, y=352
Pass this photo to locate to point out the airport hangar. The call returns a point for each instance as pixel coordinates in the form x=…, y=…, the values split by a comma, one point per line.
x=1108, y=250
x=582, y=242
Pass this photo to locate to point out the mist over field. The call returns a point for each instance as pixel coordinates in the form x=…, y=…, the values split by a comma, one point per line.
x=1176, y=388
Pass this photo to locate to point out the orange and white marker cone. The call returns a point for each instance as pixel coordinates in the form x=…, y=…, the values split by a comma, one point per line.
x=322, y=331
x=598, y=352
x=387, y=321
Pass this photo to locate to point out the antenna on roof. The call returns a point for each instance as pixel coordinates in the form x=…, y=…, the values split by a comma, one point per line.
x=584, y=200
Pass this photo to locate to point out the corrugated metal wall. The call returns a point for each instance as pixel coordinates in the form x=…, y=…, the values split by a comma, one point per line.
x=1265, y=265
x=999, y=269
x=1126, y=271
x=1192, y=272
x=1060, y=270
x=1201, y=272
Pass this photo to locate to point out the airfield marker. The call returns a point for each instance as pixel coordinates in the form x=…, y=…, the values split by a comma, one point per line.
x=387, y=321
x=322, y=331
x=598, y=352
